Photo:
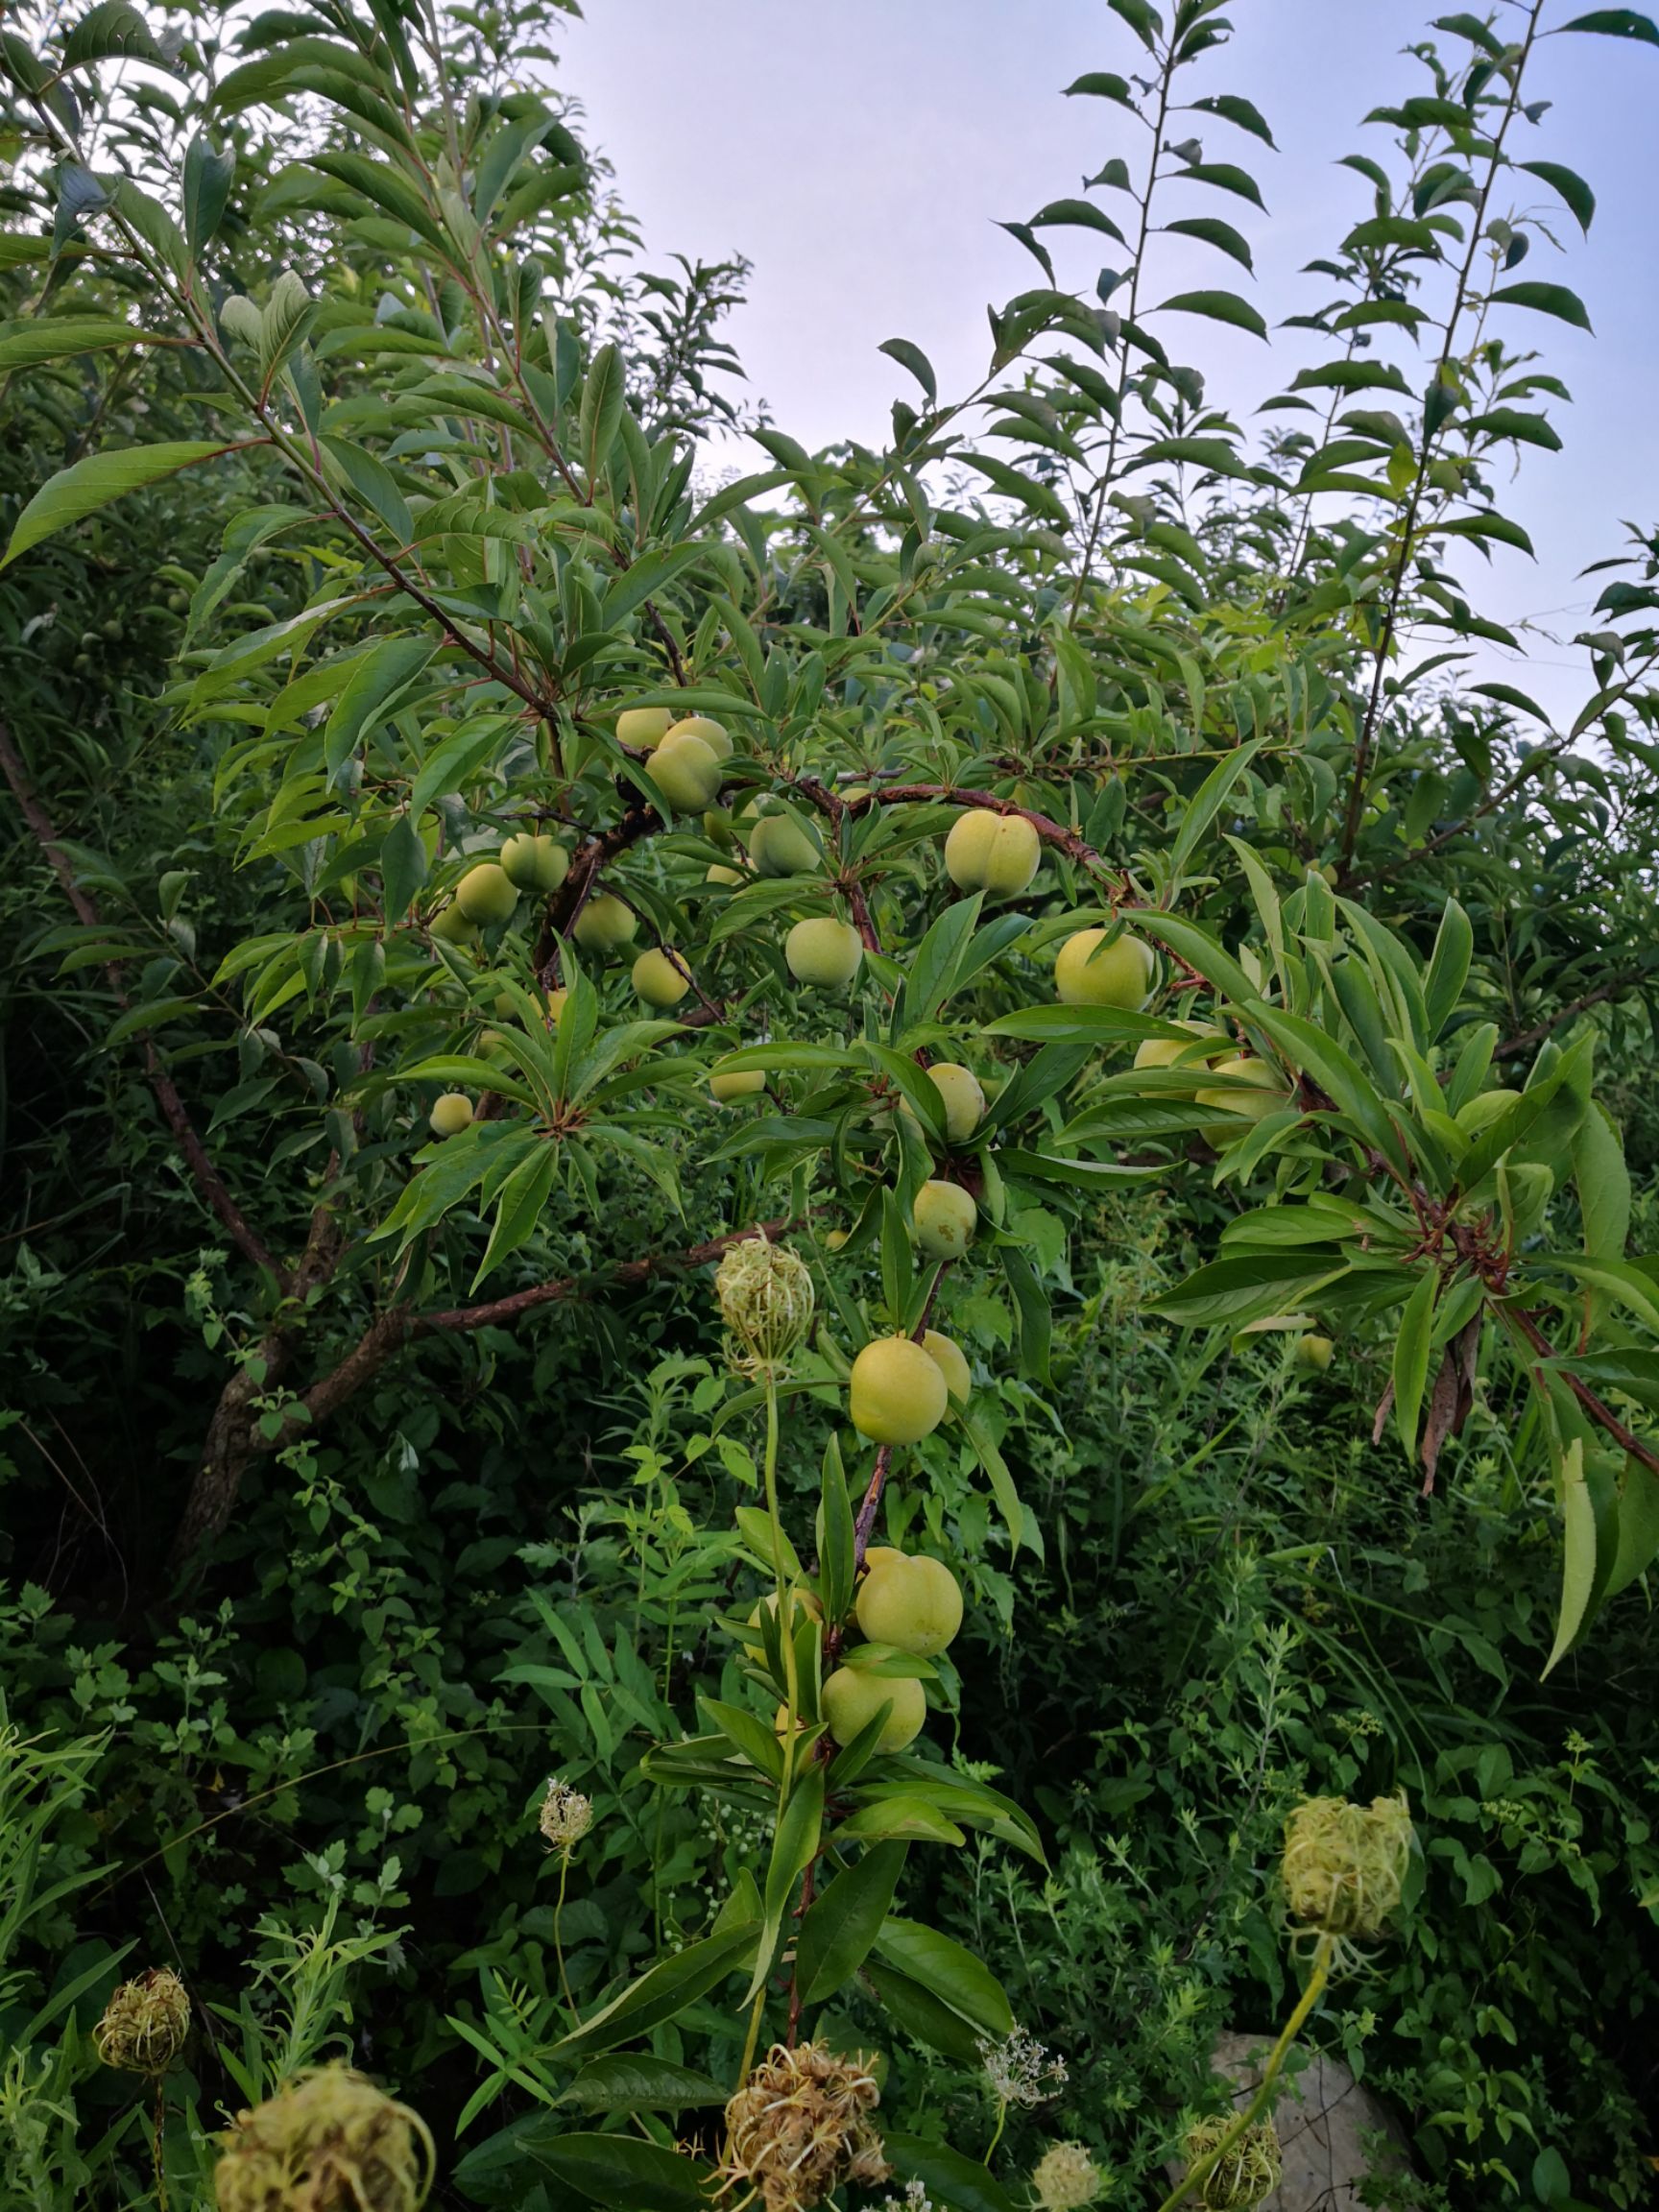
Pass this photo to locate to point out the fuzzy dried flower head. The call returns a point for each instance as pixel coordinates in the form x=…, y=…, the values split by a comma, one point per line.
x=799, y=2126
x=1065, y=2179
x=328, y=2141
x=766, y=1300
x=1345, y=1864
x=566, y=1816
x=1019, y=2070
x=145, y=2024
x=1247, y=2172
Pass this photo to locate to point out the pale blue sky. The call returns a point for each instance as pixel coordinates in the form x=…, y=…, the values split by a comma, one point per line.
x=859, y=152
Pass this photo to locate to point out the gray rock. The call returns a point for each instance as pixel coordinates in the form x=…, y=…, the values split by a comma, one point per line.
x=1334, y=2132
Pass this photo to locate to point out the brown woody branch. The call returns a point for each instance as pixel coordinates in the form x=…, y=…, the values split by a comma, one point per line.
x=1512, y=1047
x=399, y=1325
x=1602, y=1414
x=207, y=1178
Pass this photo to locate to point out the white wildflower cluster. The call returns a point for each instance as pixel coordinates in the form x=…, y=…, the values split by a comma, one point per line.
x=1021, y=2071
x=914, y=2200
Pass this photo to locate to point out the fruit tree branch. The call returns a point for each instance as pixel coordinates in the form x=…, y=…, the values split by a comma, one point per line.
x=1603, y=1415
x=208, y=1180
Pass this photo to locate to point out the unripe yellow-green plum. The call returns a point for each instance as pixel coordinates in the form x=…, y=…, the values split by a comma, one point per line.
x=960, y=1096
x=914, y=1605
x=535, y=863
x=875, y=1553
x=1121, y=976
x=743, y=1085
x=1315, y=1351
x=799, y=1602
x=711, y=734
x=1165, y=1051
x=719, y=873
x=605, y=925
x=897, y=1393
x=823, y=952
x=779, y=846
x=685, y=771
x=949, y=1358
x=1480, y=1112
x=850, y=1699
x=660, y=980
x=1244, y=1107
x=643, y=727
x=946, y=1218
x=995, y=853
x=450, y=1114
x=486, y=894
x=452, y=927
x=834, y=1238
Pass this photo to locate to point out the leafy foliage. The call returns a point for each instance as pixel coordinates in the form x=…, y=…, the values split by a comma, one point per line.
x=1309, y=996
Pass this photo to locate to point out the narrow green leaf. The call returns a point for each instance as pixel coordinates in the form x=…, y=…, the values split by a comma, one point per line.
x=1578, y=1551
x=913, y=358
x=662, y=1991
x=1616, y=23
x=1232, y=108
x=950, y=2179
x=1544, y=299
x=1412, y=1360
x=840, y=1925
x=380, y=679
x=1219, y=307
x=61, y=337
x=1568, y=182
x=951, y=1971
x=1212, y=231
x=637, y=2082
x=101, y=478
x=1448, y=968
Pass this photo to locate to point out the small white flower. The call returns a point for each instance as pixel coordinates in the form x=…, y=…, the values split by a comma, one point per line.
x=1021, y=2071
x=914, y=2200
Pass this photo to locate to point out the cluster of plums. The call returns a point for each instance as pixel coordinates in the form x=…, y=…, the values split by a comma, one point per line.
x=906, y=1603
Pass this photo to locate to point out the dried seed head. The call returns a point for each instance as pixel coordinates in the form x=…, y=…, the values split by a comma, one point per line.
x=329, y=2141
x=566, y=1816
x=799, y=2126
x=1247, y=2172
x=766, y=1300
x=1066, y=2177
x=1345, y=1864
x=145, y=2024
